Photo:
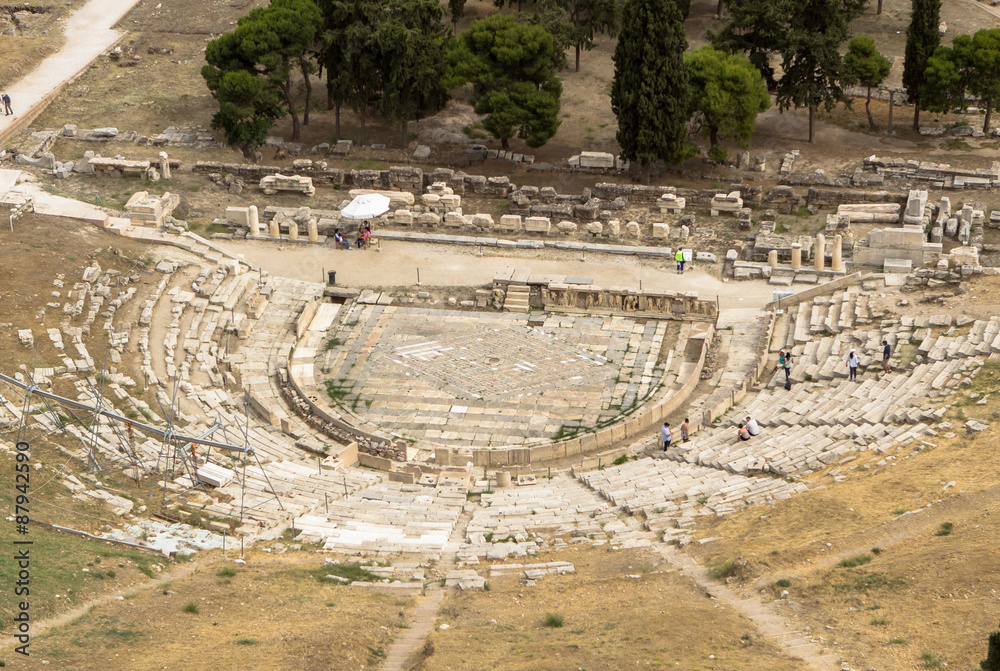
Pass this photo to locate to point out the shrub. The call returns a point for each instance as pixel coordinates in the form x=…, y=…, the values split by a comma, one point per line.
x=946, y=528
x=784, y=582
x=226, y=572
x=553, y=620
x=930, y=660
x=859, y=560
x=191, y=607
x=879, y=621
x=620, y=460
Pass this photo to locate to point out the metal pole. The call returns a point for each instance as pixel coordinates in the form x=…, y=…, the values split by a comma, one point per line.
x=418, y=276
x=223, y=543
x=892, y=93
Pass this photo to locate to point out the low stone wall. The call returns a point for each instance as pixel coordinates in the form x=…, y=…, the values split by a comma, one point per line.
x=653, y=303
x=645, y=419
x=812, y=292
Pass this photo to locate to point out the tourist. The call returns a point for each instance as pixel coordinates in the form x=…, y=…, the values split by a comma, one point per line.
x=679, y=257
x=853, y=363
x=364, y=236
x=742, y=433
x=665, y=436
x=784, y=361
x=753, y=428
x=6, y=104
x=886, y=353
x=685, y=430
x=338, y=237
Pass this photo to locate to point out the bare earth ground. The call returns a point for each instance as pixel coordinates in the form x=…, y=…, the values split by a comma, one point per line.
x=278, y=612
x=33, y=41
x=922, y=598
x=620, y=610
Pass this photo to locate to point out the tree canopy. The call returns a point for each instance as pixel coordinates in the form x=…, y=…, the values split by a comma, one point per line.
x=866, y=66
x=814, y=70
x=969, y=69
x=510, y=65
x=727, y=94
x=268, y=43
x=922, y=38
x=649, y=93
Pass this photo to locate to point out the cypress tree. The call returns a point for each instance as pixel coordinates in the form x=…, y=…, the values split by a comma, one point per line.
x=649, y=94
x=922, y=38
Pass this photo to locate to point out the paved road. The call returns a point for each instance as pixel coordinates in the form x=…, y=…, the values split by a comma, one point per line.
x=88, y=34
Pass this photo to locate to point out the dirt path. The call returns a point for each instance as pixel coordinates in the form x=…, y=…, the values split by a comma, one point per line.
x=409, y=643
x=88, y=33
x=442, y=265
x=41, y=627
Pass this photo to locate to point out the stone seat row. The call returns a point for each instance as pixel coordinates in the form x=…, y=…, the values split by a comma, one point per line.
x=669, y=494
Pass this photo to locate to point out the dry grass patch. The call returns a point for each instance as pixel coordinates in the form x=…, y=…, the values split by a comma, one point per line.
x=620, y=610
x=277, y=609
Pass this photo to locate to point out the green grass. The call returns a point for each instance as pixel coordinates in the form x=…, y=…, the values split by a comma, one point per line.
x=724, y=570
x=946, y=528
x=899, y=511
x=348, y=571
x=930, y=660
x=226, y=572
x=859, y=560
x=191, y=607
x=553, y=620
x=784, y=582
x=899, y=641
x=620, y=460
x=879, y=621
x=246, y=641
x=870, y=583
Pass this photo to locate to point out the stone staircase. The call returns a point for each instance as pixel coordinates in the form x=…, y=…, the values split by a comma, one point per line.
x=516, y=299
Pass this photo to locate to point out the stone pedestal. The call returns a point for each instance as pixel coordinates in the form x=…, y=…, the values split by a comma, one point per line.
x=836, y=261
x=254, y=221
x=293, y=230
x=796, y=255
x=275, y=229
x=819, y=255
x=772, y=258
x=313, y=233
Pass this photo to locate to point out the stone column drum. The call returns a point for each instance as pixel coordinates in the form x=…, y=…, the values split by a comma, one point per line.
x=837, y=261
x=293, y=230
x=772, y=258
x=820, y=254
x=796, y=255
x=254, y=221
x=275, y=229
x=313, y=232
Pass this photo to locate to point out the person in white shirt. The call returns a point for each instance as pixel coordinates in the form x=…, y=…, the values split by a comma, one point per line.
x=752, y=426
x=852, y=364
x=665, y=436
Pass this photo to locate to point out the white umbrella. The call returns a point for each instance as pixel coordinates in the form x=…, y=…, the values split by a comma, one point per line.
x=366, y=206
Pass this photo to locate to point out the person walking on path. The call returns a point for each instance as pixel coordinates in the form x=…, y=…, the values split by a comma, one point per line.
x=679, y=257
x=6, y=104
x=852, y=364
x=665, y=436
x=685, y=430
x=886, y=353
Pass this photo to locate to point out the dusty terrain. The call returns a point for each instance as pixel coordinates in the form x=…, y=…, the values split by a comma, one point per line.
x=920, y=601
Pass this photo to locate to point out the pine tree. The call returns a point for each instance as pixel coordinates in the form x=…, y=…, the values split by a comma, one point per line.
x=649, y=94
x=869, y=67
x=922, y=38
x=992, y=661
x=814, y=70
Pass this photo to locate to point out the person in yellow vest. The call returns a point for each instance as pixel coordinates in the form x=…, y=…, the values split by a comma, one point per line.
x=679, y=257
